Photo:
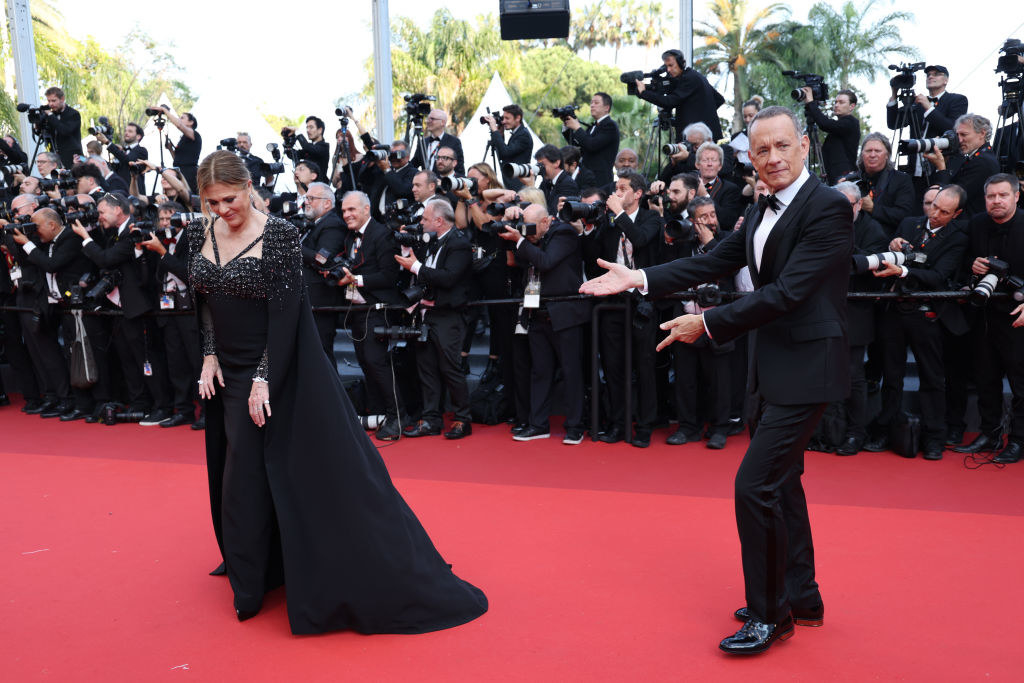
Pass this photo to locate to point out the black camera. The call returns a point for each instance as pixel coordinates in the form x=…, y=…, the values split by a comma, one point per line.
x=498, y=209
x=412, y=236
x=397, y=154
x=1009, y=62
x=272, y=168
x=230, y=144
x=418, y=105
x=87, y=215
x=275, y=151
x=12, y=169
x=26, y=227
x=904, y=78
x=104, y=284
x=496, y=115
x=524, y=229
x=342, y=113
x=680, y=230
x=708, y=295
x=677, y=148
x=947, y=143
x=862, y=184
x=997, y=277
x=456, y=184
x=76, y=295
x=566, y=112
x=401, y=332
x=288, y=137
x=521, y=170
x=35, y=114
x=581, y=211
x=401, y=212
x=143, y=232
x=333, y=266
x=153, y=111
x=378, y=154
x=659, y=80
x=180, y=220
x=102, y=127
x=114, y=413
x=284, y=204
x=414, y=292
x=61, y=183
x=864, y=263
x=819, y=91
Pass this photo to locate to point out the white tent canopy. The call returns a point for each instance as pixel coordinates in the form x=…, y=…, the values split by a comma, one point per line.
x=474, y=137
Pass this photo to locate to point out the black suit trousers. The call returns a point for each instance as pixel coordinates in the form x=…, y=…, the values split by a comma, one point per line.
x=438, y=360
x=696, y=367
x=550, y=351
x=924, y=337
x=375, y=362
x=611, y=336
x=999, y=352
x=41, y=332
x=137, y=341
x=771, y=513
x=17, y=352
x=184, y=361
x=857, y=403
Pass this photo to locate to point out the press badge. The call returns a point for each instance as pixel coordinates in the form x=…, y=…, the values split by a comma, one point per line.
x=147, y=369
x=531, y=299
x=166, y=302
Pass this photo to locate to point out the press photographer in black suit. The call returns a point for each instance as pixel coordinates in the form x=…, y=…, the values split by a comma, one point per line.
x=582, y=176
x=798, y=250
x=998, y=338
x=975, y=164
x=600, y=142
x=65, y=123
x=890, y=196
x=390, y=179
x=314, y=149
x=434, y=139
x=518, y=149
x=688, y=93
x=320, y=243
x=727, y=198
x=255, y=165
x=557, y=183
x=839, y=150
x=443, y=273
x=917, y=324
x=190, y=145
x=131, y=151
x=685, y=160
x=10, y=325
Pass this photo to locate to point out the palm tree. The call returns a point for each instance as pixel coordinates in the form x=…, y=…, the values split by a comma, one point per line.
x=739, y=36
x=649, y=23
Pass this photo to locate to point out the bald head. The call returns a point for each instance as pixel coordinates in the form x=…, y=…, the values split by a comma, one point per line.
x=24, y=204
x=48, y=223
x=538, y=215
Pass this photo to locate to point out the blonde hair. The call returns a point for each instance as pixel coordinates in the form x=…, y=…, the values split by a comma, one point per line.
x=486, y=171
x=226, y=168
x=533, y=195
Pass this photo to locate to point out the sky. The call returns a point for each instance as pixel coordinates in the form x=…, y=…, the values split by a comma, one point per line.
x=297, y=62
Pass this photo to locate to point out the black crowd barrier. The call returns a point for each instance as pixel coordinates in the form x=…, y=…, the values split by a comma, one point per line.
x=606, y=304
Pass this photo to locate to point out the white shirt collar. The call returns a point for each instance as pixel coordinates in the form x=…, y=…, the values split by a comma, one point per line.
x=788, y=194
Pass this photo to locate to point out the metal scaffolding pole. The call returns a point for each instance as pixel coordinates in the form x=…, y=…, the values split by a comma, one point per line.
x=686, y=29
x=23, y=54
x=382, y=71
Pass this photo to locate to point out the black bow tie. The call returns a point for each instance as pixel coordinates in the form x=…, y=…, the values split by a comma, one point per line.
x=433, y=139
x=933, y=100
x=433, y=246
x=768, y=201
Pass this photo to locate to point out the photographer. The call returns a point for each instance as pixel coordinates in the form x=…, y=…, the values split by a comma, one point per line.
x=436, y=139
x=322, y=241
x=727, y=198
x=681, y=190
x=316, y=148
x=998, y=339
x=255, y=165
x=172, y=184
x=551, y=259
x=518, y=149
x=686, y=91
x=65, y=124
x=444, y=167
x=975, y=164
x=46, y=164
x=557, y=183
x=109, y=180
x=442, y=273
x=839, y=150
x=917, y=323
x=424, y=188
x=372, y=279
x=90, y=180
x=392, y=179
x=132, y=150
x=599, y=143
x=890, y=193
x=684, y=159
x=582, y=176
x=135, y=339
x=740, y=142
x=349, y=165
x=186, y=153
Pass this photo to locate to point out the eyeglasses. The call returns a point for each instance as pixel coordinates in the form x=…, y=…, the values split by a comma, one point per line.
x=445, y=157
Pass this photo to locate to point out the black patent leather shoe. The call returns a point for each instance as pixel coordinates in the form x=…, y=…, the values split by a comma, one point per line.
x=954, y=437
x=73, y=414
x=56, y=411
x=876, y=445
x=421, y=428
x=41, y=407
x=932, y=451
x=32, y=406
x=981, y=443
x=1011, y=454
x=851, y=446
x=244, y=614
x=642, y=439
x=717, y=441
x=756, y=637
x=459, y=430
x=176, y=420
x=613, y=435
x=199, y=424
x=802, y=617
x=679, y=437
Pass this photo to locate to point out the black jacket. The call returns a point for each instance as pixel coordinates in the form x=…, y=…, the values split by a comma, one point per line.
x=585, y=178
x=728, y=203
x=693, y=99
x=447, y=140
x=518, y=150
x=600, y=146
x=327, y=233
x=448, y=282
x=376, y=264
x=868, y=238
x=557, y=258
x=644, y=235
x=66, y=127
x=137, y=286
x=893, y=194
x=839, y=150
x=387, y=187
x=318, y=152
x=563, y=186
x=945, y=254
x=970, y=173
x=944, y=114
x=124, y=157
x=988, y=238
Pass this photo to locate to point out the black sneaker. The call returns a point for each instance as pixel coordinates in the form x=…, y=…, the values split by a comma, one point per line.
x=573, y=436
x=531, y=433
x=154, y=418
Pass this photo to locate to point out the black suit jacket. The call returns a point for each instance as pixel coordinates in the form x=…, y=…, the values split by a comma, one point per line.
x=693, y=99
x=894, y=197
x=945, y=254
x=585, y=178
x=970, y=173
x=449, y=281
x=318, y=152
x=599, y=144
x=115, y=183
x=66, y=127
x=124, y=157
x=987, y=238
x=376, y=264
x=138, y=279
x=869, y=237
x=563, y=186
x=391, y=186
x=944, y=114
x=518, y=150
x=839, y=150
x=327, y=233
x=447, y=140
x=797, y=311
x=728, y=203
x=558, y=260
x=644, y=234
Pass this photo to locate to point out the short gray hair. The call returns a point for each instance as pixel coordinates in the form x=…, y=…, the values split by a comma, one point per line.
x=697, y=202
x=327, y=190
x=713, y=147
x=442, y=208
x=52, y=157
x=772, y=112
x=364, y=200
x=850, y=189
x=698, y=127
x=978, y=122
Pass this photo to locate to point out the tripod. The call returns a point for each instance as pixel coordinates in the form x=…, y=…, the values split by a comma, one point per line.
x=343, y=120
x=652, y=149
x=414, y=135
x=42, y=137
x=815, y=160
x=906, y=118
x=159, y=122
x=1009, y=138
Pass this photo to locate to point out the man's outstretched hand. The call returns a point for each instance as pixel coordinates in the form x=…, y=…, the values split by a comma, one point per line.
x=619, y=278
x=686, y=328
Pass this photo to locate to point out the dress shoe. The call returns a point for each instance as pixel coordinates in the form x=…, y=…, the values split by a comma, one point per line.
x=199, y=424
x=932, y=451
x=32, y=404
x=154, y=418
x=39, y=407
x=244, y=614
x=679, y=437
x=73, y=414
x=56, y=411
x=221, y=570
x=756, y=637
x=642, y=438
x=717, y=441
x=1011, y=454
x=458, y=430
x=4, y=400
x=176, y=420
x=531, y=433
x=803, y=617
x=573, y=436
x=876, y=445
x=850, y=446
x=522, y=426
x=421, y=428
x=954, y=437
x=613, y=435
x=390, y=430
x=982, y=442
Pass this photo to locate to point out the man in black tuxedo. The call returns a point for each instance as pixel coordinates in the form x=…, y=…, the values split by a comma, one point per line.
x=552, y=257
x=798, y=249
x=839, y=150
x=630, y=239
x=319, y=244
x=581, y=175
x=727, y=198
x=890, y=196
x=917, y=324
x=557, y=183
x=930, y=116
x=600, y=142
x=686, y=91
x=254, y=163
x=10, y=323
x=435, y=138
x=975, y=164
x=131, y=151
x=314, y=149
x=111, y=182
x=443, y=273
x=373, y=279
x=518, y=149
x=65, y=124
x=390, y=180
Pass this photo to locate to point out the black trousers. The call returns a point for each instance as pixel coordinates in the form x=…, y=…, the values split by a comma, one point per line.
x=771, y=514
x=696, y=367
x=438, y=361
x=97, y=329
x=17, y=352
x=137, y=342
x=42, y=333
x=517, y=376
x=857, y=403
x=375, y=362
x=924, y=337
x=550, y=351
x=999, y=352
x=184, y=361
x=958, y=359
x=611, y=336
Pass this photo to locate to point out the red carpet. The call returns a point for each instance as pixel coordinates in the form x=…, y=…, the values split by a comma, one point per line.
x=601, y=562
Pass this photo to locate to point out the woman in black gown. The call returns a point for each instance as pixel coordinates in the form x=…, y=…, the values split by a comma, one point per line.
x=298, y=493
